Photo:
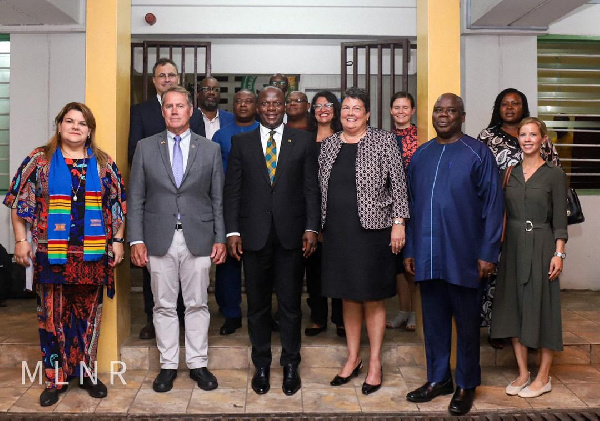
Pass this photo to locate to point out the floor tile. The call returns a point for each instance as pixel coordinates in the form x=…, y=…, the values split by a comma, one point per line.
x=133, y=379
x=495, y=397
x=386, y=399
x=559, y=397
x=569, y=374
x=275, y=401
x=587, y=392
x=118, y=401
x=330, y=400
x=147, y=401
x=77, y=401
x=232, y=379
x=218, y=401
x=30, y=401
x=9, y=395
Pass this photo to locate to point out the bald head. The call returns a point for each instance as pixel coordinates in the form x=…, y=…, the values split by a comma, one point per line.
x=448, y=117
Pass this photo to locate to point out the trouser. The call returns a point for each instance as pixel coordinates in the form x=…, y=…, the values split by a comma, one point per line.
x=177, y=267
x=440, y=302
x=228, y=288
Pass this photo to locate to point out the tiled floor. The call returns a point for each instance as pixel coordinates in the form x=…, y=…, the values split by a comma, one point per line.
x=575, y=378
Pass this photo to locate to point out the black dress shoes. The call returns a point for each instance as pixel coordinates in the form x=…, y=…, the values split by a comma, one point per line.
x=147, y=331
x=50, y=396
x=462, y=401
x=260, y=380
x=341, y=331
x=230, y=325
x=430, y=390
x=314, y=331
x=291, y=379
x=164, y=381
x=367, y=388
x=206, y=380
x=339, y=380
x=95, y=390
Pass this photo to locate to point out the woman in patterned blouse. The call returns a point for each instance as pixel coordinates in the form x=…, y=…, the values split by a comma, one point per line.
x=402, y=108
x=71, y=194
x=510, y=107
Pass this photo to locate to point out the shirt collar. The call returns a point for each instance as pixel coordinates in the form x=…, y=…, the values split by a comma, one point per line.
x=264, y=131
x=184, y=136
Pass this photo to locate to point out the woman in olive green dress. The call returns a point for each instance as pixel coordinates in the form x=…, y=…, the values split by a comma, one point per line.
x=527, y=302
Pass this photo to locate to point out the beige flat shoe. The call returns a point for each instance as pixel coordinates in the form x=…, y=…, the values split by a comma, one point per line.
x=528, y=393
x=398, y=320
x=411, y=323
x=512, y=390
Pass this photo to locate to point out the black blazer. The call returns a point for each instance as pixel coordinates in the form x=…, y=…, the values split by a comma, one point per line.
x=146, y=120
x=251, y=203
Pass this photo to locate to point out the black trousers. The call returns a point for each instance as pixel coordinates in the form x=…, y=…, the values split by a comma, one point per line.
x=274, y=268
x=317, y=302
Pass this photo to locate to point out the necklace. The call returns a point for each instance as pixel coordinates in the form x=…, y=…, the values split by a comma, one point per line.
x=75, y=164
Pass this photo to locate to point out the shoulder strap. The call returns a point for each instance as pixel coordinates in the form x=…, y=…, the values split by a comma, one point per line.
x=506, y=176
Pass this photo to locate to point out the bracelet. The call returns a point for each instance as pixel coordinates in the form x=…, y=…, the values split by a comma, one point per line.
x=398, y=222
x=20, y=241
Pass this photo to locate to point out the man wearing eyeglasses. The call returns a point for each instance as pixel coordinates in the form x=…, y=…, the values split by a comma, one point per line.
x=279, y=81
x=296, y=108
x=213, y=118
x=146, y=120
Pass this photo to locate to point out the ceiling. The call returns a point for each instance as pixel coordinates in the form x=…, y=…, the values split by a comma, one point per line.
x=41, y=12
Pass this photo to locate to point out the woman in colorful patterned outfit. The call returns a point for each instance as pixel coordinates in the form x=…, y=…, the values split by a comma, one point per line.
x=71, y=195
x=324, y=121
x=363, y=206
x=510, y=107
x=527, y=303
x=402, y=108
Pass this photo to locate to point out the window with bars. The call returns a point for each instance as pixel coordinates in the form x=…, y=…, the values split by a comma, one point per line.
x=569, y=104
x=4, y=111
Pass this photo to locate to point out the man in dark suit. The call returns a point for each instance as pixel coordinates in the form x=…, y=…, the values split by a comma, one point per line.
x=146, y=120
x=209, y=98
x=176, y=227
x=271, y=211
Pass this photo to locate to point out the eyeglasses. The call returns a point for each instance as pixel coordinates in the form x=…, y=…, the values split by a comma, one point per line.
x=206, y=89
x=167, y=76
x=279, y=83
x=248, y=101
x=295, y=101
x=355, y=109
x=326, y=105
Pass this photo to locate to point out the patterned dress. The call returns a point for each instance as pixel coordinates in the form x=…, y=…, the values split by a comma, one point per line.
x=70, y=295
x=407, y=142
x=507, y=151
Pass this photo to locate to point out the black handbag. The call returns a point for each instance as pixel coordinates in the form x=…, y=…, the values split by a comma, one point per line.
x=574, y=211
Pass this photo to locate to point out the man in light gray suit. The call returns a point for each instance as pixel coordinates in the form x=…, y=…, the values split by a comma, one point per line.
x=175, y=226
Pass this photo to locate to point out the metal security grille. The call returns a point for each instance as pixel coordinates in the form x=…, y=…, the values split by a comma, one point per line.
x=391, y=59
x=4, y=111
x=569, y=103
x=192, y=58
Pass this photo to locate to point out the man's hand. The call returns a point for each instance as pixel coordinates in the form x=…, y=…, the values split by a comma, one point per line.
x=219, y=253
x=139, y=255
x=409, y=265
x=309, y=243
x=486, y=269
x=234, y=247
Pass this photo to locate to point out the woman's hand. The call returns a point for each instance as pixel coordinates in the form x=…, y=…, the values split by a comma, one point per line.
x=118, y=254
x=556, y=265
x=23, y=253
x=398, y=238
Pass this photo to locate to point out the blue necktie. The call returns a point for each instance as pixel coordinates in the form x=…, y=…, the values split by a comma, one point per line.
x=177, y=161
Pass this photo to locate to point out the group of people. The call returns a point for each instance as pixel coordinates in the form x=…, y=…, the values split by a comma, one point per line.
x=350, y=204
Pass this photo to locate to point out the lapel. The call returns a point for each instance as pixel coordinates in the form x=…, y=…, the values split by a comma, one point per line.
x=256, y=150
x=192, y=154
x=163, y=147
x=287, y=144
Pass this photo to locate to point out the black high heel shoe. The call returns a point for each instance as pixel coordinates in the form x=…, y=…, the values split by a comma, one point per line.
x=339, y=380
x=367, y=388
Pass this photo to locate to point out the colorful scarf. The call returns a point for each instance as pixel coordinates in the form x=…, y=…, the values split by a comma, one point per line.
x=59, y=214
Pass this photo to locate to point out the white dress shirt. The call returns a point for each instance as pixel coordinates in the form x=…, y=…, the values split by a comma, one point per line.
x=264, y=137
x=211, y=126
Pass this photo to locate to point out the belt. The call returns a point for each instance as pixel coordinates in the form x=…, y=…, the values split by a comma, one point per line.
x=528, y=225
x=178, y=226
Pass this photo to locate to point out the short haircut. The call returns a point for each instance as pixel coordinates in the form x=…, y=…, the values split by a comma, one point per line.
x=360, y=94
x=181, y=90
x=247, y=91
x=161, y=62
x=538, y=122
x=402, y=94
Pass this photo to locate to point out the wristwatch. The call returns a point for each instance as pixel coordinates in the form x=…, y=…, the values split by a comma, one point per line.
x=398, y=222
x=561, y=255
x=118, y=240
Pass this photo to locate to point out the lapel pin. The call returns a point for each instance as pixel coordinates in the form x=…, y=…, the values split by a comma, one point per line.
x=289, y=140
x=163, y=143
x=193, y=146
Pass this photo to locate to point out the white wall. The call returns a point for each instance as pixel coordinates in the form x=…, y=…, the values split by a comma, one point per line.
x=47, y=71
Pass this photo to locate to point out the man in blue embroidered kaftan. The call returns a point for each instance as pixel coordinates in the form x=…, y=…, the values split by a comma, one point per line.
x=453, y=242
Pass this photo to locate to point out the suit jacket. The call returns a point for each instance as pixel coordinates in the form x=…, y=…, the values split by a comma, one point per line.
x=155, y=201
x=146, y=120
x=291, y=203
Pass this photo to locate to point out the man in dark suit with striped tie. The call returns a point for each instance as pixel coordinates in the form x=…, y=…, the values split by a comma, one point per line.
x=271, y=207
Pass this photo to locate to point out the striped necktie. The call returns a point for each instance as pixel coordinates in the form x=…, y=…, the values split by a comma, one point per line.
x=271, y=156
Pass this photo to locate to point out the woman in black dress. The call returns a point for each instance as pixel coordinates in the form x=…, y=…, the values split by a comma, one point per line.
x=363, y=206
